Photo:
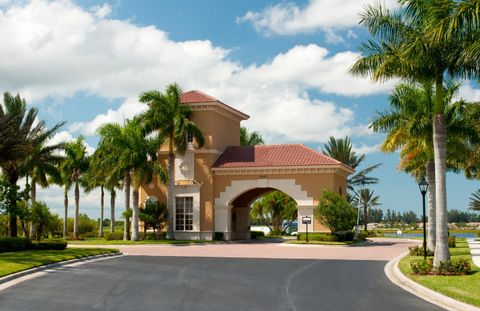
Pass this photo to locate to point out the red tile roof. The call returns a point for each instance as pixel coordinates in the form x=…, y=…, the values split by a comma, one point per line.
x=196, y=97
x=272, y=155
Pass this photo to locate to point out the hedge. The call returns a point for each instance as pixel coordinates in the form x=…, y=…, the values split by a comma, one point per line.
x=23, y=244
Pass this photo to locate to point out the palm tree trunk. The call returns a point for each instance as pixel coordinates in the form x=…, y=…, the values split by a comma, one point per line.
x=431, y=206
x=170, y=196
x=440, y=150
x=33, y=197
x=126, y=227
x=135, y=215
x=112, y=210
x=12, y=180
x=77, y=210
x=102, y=205
x=365, y=215
x=65, y=217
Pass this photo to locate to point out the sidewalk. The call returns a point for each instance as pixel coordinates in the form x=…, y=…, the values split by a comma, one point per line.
x=475, y=251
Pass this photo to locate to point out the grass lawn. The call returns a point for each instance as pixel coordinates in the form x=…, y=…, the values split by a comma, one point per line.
x=100, y=241
x=321, y=242
x=12, y=262
x=464, y=288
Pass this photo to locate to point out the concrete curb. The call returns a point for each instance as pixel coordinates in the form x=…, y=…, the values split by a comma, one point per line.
x=18, y=277
x=398, y=278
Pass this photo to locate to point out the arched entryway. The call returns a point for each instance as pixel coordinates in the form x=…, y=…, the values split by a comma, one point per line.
x=232, y=206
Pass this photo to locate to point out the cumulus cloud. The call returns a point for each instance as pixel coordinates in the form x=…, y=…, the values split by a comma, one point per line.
x=65, y=137
x=318, y=15
x=468, y=92
x=365, y=149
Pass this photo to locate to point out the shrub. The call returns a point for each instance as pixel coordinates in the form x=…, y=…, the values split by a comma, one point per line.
x=458, y=266
x=362, y=236
x=152, y=236
x=344, y=236
x=50, y=245
x=422, y=267
x=113, y=236
x=334, y=212
x=218, y=236
x=324, y=237
x=14, y=244
x=451, y=242
x=256, y=234
x=417, y=250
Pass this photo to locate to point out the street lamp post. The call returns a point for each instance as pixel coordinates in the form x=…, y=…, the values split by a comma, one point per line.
x=423, y=185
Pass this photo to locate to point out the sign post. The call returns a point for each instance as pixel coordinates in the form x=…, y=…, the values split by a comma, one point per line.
x=306, y=220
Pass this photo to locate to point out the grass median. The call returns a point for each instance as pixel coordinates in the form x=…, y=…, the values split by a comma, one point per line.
x=12, y=262
x=463, y=288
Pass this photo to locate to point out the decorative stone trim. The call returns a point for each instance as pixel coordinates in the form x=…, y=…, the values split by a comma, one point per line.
x=220, y=108
x=288, y=186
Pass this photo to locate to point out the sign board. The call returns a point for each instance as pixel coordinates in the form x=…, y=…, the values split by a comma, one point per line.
x=306, y=220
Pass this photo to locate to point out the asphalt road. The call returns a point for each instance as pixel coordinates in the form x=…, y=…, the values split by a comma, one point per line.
x=182, y=283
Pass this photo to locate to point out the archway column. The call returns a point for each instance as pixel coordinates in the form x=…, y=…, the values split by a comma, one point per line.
x=305, y=210
x=223, y=220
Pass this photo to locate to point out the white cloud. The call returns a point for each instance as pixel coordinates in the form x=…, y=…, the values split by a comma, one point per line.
x=64, y=137
x=365, y=149
x=127, y=110
x=324, y=15
x=468, y=92
x=102, y=11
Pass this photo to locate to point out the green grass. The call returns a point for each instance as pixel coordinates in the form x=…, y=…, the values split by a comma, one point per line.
x=100, y=241
x=464, y=288
x=321, y=242
x=12, y=262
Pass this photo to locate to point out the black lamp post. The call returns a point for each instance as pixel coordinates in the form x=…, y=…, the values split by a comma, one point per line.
x=423, y=185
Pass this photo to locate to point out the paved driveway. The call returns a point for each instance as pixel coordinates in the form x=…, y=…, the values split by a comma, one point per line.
x=214, y=282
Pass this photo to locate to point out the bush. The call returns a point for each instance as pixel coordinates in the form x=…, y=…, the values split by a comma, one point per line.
x=334, y=212
x=113, y=236
x=256, y=234
x=14, y=244
x=218, y=236
x=152, y=236
x=451, y=242
x=461, y=266
x=323, y=237
x=50, y=245
x=421, y=267
x=344, y=236
x=362, y=236
x=417, y=250
x=23, y=244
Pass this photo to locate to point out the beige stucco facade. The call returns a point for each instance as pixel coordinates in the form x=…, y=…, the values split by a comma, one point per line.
x=221, y=196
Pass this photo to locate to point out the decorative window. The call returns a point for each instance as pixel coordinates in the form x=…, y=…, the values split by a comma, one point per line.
x=184, y=213
x=189, y=137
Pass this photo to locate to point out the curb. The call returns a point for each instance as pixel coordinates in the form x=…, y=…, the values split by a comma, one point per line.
x=394, y=274
x=18, y=277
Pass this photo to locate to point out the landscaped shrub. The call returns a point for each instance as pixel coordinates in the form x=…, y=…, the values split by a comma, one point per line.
x=256, y=234
x=218, y=236
x=113, y=236
x=451, y=242
x=417, y=250
x=324, y=237
x=344, y=236
x=14, y=244
x=50, y=245
x=458, y=266
x=362, y=236
x=422, y=267
x=152, y=236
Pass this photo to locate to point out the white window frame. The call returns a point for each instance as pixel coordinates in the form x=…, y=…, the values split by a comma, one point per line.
x=183, y=225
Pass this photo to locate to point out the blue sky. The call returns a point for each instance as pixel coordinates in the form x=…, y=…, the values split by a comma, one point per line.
x=283, y=63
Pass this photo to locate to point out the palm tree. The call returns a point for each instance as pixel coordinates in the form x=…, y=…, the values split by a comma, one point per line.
x=275, y=210
x=75, y=166
x=368, y=200
x=408, y=124
x=133, y=156
x=341, y=149
x=66, y=183
x=22, y=136
x=92, y=180
x=250, y=138
x=404, y=46
x=172, y=120
x=475, y=201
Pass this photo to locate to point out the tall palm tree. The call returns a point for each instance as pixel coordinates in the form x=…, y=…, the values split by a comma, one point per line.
x=408, y=124
x=92, y=179
x=75, y=166
x=22, y=136
x=341, y=149
x=134, y=156
x=171, y=119
x=475, y=200
x=404, y=46
x=368, y=200
x=250, y=138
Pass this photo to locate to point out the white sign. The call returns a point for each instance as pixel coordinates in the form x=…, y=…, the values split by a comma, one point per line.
x=306, y=220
